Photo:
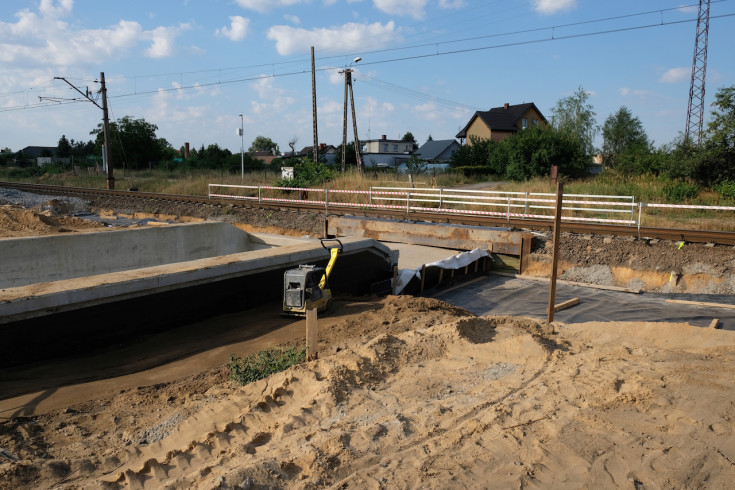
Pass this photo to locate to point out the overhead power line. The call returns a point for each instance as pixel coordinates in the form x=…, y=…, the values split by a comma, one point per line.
x=552, y=37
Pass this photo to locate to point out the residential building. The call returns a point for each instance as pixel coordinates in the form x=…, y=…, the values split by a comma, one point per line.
x=437, y=151
x=384, y=145
x=264, y=156
x=327, y=153
x=500, y=122
x=386, y=153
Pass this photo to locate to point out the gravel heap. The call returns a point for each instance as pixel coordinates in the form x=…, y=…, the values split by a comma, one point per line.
x=28, y=200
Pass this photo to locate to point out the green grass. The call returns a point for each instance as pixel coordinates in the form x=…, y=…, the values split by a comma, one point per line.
x=254, y=367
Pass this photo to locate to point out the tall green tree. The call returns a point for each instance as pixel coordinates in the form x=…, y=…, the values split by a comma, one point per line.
x=408, y=137
x=134, y=143
x=63, y=148
x=622, y=133
x=263, y=143
x=575, y=116
x=721, y=130
x=532, y=153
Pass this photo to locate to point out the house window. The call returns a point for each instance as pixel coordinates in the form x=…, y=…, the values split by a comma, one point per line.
x=395, y=148
x=524, y=123
x=385, y=147
x=535, y=122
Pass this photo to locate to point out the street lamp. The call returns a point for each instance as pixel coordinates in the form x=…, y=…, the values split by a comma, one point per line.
x=242, y=148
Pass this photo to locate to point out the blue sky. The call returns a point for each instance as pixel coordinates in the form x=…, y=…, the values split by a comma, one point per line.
x=191, y=67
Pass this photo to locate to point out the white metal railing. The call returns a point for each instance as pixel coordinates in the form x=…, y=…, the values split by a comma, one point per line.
x=518, y=205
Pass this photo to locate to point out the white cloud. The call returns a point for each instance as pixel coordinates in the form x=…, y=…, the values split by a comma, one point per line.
x=553, y=6
x=625, y=91
x=274, y=98
x=41, y=39
x=163, y=40
x=676, y=75
x=451, y=4
x=266, y=5
x=428, y=111
x=238, y=29
x=48, y=9
x=349, y=37
x=411, y=8
x=292, y=19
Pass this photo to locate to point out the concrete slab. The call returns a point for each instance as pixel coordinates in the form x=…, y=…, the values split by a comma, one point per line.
x=262, y=253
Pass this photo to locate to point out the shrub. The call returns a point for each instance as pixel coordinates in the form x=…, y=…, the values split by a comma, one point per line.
x=680, y=190
x=308, y=173
x=261, y=365
x=726, y=189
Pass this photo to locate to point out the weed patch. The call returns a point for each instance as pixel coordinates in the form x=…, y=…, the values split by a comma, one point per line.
x=258, y=366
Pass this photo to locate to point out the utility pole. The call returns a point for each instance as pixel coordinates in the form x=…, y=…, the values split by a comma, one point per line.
x=313, y=103
x=348, y=84
x=106, y=130
x=242, y=147
x=695, y=109
x=105, y=123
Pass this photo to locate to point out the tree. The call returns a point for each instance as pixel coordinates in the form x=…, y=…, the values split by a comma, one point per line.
x=415, y=165
x=721, y=130
x=408, y=137
x=134, y=143
x=63, y=148
x=532, y=153
x=350, y=158
x=622, y=133
x=574, y=116
x=263, y=143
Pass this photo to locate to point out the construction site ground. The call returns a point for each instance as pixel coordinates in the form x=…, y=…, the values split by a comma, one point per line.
x=407, y=392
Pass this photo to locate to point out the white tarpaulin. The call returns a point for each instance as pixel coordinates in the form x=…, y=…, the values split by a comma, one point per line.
x=454, y=262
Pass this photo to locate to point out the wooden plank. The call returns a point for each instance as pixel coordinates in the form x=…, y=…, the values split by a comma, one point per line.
x=700, y=303
x=311, y=334
x=566, y=304
x=715, y=323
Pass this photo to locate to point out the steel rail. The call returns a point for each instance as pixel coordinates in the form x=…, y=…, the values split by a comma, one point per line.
x=675, y=234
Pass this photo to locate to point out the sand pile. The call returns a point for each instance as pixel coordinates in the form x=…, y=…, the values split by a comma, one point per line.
x=463, y=402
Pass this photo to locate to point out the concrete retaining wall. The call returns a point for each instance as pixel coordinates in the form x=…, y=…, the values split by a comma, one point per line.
x=32, y=260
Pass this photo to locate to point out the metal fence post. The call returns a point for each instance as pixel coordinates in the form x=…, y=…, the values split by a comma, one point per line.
x=326, y=200
x=408, y=202
x=260, y=197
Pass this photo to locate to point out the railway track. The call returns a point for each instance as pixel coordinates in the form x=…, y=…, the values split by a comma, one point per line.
x=688, y=235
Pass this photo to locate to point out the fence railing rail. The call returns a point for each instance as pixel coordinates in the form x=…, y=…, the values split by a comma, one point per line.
x=592, y=208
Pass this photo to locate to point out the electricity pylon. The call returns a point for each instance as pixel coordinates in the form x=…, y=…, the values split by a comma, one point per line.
x=695, y=110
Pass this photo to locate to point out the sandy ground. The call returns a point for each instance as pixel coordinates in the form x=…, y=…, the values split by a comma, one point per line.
x=406, y=393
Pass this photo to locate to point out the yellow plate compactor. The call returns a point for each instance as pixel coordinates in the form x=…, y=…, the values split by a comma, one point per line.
x=307, y=287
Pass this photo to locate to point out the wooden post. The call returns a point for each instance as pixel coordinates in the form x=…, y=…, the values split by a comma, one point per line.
x=554, y=256
x=395, y=279
x=423, y=278
x=311, y=334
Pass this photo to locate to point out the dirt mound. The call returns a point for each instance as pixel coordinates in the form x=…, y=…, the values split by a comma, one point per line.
x=416, y=403
x=19, y=222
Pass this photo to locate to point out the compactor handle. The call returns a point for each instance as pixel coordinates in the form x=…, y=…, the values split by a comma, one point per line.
x=331, y=240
